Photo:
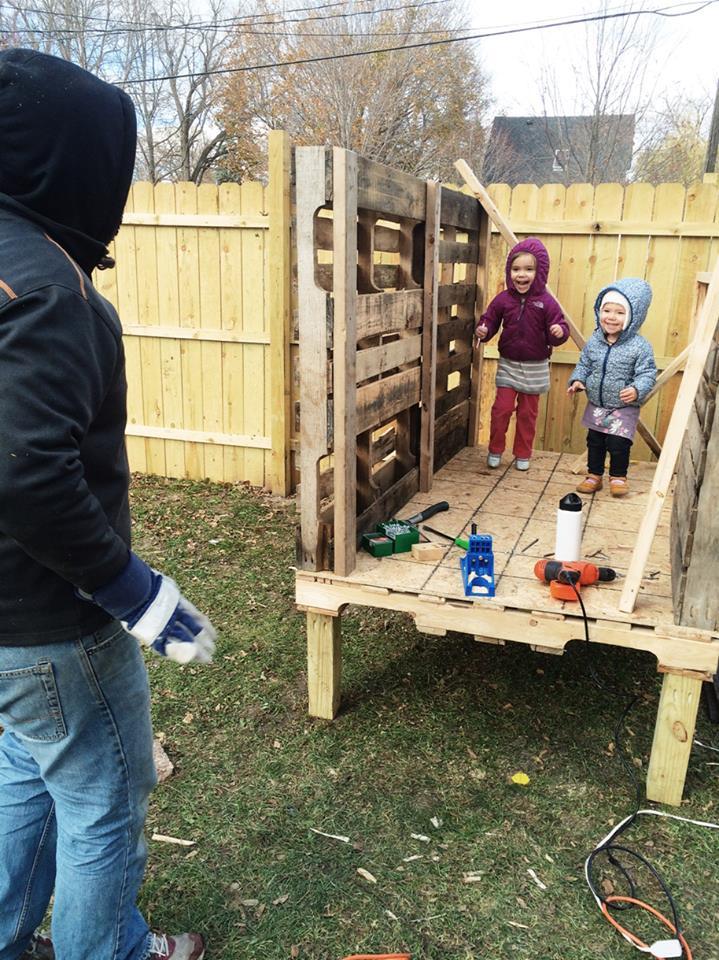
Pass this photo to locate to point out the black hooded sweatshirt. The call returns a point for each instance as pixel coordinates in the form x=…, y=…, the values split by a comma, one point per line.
x=67, y=148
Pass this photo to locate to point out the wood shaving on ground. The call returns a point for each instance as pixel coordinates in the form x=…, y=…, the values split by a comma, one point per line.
x=161, y=838
x=533, y=875
x=436, y=822
x=163, y=765
x=415, y=856
x=522, y=926
x=420, y=836
x=471, y=876
x=330, y=836
x=366, y=875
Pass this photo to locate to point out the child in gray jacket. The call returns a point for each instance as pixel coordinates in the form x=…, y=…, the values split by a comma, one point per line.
x=616, y=369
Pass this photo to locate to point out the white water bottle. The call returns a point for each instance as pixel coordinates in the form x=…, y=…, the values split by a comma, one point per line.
x=568, y=545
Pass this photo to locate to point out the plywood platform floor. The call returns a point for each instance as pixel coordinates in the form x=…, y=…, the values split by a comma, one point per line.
x=519, y=510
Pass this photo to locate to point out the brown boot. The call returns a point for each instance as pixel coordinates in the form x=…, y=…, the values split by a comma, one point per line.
x=618, y=486
x=591, y=484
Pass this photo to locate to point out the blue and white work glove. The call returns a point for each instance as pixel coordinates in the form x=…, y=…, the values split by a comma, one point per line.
x=152, y=609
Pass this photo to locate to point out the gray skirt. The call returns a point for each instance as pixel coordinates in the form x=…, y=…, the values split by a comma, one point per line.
x=524, y=376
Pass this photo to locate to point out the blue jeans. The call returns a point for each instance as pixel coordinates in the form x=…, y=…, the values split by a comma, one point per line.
x=76, y=771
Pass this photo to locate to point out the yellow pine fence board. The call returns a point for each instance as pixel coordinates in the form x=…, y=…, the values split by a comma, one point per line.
x=254, y=318
x=230, y=462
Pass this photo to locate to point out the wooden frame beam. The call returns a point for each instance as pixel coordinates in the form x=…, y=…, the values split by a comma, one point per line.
x=314, y=307
x=706, y=327
x=428, y=389
x=278, y=191
x=344, y=231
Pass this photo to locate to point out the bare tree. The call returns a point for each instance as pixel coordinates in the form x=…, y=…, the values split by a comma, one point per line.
x=132, y=42
x=417, y=109
x=179, y=138
x=77, y=30
x=676, y=151
x=610, y=81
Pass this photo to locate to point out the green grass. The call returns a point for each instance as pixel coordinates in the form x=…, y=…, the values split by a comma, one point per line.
x=430, y=728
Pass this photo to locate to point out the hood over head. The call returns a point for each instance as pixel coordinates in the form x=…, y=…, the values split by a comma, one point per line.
x=638, y=294
x=539, y=252
x=67, y=150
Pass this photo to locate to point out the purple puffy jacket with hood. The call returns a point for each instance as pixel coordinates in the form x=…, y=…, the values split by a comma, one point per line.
x=525, y=320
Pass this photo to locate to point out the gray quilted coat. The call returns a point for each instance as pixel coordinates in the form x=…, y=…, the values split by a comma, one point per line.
x=606, y=368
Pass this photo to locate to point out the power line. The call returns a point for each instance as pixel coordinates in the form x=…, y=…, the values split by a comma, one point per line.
x=144, y=23
x=227, y=22
x=661, y=12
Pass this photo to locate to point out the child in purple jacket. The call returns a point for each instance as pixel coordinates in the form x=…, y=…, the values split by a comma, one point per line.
x=532, y=323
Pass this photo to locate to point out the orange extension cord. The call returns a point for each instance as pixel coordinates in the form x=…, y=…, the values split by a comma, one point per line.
x=644, y=906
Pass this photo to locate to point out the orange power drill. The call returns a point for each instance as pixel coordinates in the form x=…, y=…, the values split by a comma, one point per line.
x=565, y=577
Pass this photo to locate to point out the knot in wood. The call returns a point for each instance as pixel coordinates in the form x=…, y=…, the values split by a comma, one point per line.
x=680, y=731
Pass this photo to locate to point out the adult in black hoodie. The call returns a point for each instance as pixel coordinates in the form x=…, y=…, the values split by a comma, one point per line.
x=76, y=752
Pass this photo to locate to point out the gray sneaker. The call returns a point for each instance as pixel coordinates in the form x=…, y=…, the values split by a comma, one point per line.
x=494, y=460
x=39, y=948
x=185, y=946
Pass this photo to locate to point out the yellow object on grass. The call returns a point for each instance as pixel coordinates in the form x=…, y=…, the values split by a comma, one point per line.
x=521, y=778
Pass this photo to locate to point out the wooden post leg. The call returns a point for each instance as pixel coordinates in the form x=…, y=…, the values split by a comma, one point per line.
x=673, y=737
x=324, y=664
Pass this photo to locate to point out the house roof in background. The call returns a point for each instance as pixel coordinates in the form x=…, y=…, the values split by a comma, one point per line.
x=559, y=149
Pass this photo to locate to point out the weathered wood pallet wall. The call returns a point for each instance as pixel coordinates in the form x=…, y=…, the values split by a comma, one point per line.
x=385, y=350
x=695, y=512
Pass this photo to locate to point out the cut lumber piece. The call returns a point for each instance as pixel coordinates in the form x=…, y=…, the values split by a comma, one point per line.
x=428, y=390
x=314, y=320
x=345, y=356
x=484, y=240
x=673, y=738
x=391, y=312
x=389, y=191
x=376, y=360
x=428, y=552
x=378, y=402
x=669, y=371
x=459, y=210
x=706, y=327
x=450, y=293
x=324, y=664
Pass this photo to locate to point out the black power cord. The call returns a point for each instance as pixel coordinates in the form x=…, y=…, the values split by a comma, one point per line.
x=609, y=848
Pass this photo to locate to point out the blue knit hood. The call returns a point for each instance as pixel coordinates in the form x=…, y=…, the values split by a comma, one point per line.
x=638, y=293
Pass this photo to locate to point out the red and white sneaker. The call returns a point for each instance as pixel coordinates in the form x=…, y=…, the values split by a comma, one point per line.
x=185, y=946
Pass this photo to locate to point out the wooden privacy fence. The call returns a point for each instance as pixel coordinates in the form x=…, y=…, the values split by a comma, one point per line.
x=205, y=290
x=202, y=288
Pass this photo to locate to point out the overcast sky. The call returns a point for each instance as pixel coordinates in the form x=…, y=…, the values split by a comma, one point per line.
x=686, y=58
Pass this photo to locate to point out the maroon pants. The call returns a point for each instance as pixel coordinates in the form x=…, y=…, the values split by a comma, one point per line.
x=527, y=409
